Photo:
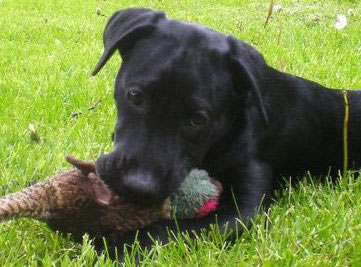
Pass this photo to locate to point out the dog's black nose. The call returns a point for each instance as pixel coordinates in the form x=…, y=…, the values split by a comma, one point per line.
x=141, y=186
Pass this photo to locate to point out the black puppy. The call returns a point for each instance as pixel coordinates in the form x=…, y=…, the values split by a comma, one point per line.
x=189, y=97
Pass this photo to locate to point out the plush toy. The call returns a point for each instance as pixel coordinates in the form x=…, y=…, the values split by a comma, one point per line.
x=78, y=202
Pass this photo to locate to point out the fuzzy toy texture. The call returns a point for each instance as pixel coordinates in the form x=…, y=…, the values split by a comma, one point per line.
x=78, y=202
x=197, y=195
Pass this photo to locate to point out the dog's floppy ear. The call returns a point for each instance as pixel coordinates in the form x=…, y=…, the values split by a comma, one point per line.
x=124, y=28
x=247, y=67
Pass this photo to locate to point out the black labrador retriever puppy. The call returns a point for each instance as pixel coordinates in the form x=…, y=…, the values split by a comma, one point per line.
x=188, y=97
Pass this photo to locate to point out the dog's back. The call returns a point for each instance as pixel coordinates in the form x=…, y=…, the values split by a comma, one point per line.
x=306, y=126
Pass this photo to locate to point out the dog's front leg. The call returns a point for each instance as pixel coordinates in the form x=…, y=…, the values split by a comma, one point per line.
x=253, y=188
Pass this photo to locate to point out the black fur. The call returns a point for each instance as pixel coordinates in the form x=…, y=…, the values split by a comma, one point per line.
x=189, y=97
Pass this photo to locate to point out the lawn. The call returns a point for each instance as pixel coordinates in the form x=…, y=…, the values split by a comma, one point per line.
x=47, y=52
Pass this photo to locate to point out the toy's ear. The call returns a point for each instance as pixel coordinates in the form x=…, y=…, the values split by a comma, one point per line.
x=247, y=67
x=84, y=166
x=124, y=28
x=103, y=195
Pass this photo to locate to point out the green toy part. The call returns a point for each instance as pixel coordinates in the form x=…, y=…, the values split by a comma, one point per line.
x=197, y=196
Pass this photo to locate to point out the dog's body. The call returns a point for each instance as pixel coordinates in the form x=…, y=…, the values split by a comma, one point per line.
x=189, y=97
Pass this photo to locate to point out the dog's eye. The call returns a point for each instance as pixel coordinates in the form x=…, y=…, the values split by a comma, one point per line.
x=198, y=119
x=136, y=97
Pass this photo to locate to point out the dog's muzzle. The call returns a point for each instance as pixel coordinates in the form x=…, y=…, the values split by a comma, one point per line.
x=136, y=184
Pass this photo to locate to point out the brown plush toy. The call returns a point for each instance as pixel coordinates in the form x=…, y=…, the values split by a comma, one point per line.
x=78, y=202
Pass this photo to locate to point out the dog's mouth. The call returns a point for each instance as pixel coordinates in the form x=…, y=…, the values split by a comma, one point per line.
x=140, y=183
x=145, y=194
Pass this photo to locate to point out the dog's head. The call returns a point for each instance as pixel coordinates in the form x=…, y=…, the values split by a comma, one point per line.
x=175, y=94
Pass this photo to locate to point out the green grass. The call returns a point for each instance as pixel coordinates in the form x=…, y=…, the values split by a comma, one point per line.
x=47, y=51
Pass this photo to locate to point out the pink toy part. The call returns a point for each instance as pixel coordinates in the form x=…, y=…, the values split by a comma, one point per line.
x=211, y=204
x=208, y=207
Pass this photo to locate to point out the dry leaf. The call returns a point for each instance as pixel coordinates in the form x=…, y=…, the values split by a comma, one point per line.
x=33, y=133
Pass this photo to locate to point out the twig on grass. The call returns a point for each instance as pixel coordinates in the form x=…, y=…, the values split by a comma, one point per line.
x=345, y=128
x=279, y=36
x=94, y=105
x=270, y=10
x=282, y=64
x=75, y=114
